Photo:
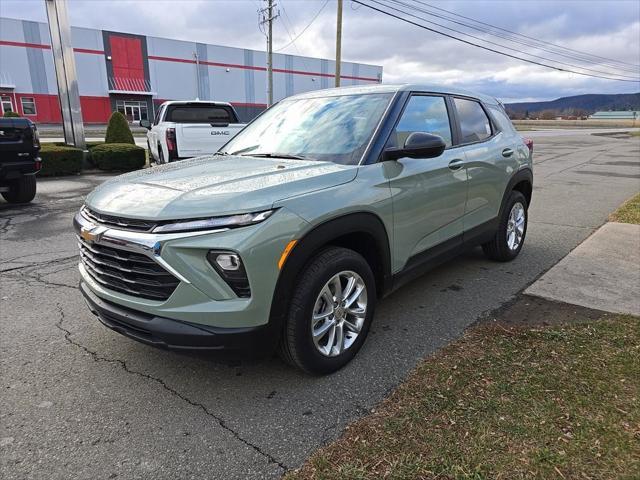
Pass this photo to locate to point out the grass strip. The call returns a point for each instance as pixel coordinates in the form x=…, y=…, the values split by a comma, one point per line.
x=505, y=403
x=629, y=212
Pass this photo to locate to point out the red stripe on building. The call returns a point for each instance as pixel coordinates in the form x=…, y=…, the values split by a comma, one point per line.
x=94, y=109
x=88, y=50
x=240, y=104
x=262, y=69
x=8, y=43
x=23, y=44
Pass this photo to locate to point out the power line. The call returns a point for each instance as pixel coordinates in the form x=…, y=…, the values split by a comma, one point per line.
x=525, y=36
x=293, y=40
x=499, y=44
x=526, y=41
x=516, y=57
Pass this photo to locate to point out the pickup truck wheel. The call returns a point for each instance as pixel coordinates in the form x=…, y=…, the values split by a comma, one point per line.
x=330, y=313
x=22, y=190
x=512, y=229
x=160, y=155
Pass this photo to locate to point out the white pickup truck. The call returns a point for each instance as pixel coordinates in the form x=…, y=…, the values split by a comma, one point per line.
x=185, y=129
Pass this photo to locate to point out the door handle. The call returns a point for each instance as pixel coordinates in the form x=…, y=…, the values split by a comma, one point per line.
x=507, y=152
x=455, y=164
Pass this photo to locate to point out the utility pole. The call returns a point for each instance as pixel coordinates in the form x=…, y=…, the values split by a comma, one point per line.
x=66, y=77
x=195, y=55
x=267, y=16
x=338, y=42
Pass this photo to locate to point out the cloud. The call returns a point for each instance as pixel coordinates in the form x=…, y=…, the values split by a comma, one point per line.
x=609, y=29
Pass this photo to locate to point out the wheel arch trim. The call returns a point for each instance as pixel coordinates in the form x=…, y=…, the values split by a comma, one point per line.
x=522, y=175
x=321, y=235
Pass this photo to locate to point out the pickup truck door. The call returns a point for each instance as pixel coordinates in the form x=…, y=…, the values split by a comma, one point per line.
x=153, y=134
x=429, y=195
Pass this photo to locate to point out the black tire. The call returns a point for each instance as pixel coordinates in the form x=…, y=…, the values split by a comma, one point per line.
x=22, y=190
x=296, y=346
x=160, y=155
x=498, y=248
x=152, y=160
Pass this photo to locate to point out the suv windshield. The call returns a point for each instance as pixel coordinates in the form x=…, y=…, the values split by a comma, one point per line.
x=335, y=129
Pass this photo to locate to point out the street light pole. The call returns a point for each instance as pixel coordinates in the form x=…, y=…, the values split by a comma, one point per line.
x=338, y=42
x=65, y=67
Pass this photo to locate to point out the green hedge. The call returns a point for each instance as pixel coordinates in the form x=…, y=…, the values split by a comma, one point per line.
x=118, y=130
x=118, y=156
x=11, y=114
x=60, y=160
x=89, y=145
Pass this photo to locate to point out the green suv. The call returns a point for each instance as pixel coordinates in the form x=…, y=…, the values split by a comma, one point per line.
x=289, y=235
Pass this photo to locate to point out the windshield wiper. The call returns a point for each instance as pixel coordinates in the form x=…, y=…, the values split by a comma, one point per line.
x=277, y=155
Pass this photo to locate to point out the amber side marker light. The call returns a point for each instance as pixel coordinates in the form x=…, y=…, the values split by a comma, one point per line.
x=286, y=252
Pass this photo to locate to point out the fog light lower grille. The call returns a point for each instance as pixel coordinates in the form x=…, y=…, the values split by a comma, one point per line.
x=230, y=267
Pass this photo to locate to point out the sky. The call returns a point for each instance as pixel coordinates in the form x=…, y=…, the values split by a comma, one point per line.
x=609, y=29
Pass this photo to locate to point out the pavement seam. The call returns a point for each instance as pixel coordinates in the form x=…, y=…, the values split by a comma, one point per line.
x=220, y=421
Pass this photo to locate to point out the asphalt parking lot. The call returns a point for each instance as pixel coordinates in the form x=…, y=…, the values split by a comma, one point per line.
x=79, y=401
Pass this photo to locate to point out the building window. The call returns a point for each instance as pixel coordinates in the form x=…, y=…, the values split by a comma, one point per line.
x=133, y=110
x=6, y=104
x=28, y=106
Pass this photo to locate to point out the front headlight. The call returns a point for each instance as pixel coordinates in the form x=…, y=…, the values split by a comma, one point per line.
x=230, y=221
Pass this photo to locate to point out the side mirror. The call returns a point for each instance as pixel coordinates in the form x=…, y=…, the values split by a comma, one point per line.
x=418, y=145
x=146, y=124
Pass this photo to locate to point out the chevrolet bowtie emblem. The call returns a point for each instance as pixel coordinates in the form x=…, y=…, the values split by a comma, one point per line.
x=89, y=235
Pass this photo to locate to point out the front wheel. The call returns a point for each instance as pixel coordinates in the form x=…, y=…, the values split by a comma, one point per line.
x=330, y=313
x=512, y=229
x=22, y=190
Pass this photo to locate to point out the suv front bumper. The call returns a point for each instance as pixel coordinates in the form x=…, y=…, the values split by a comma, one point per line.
x=175, y=334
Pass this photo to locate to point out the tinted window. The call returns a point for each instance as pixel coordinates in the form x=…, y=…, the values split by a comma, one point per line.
x=474, y=123
x=422, y=114
x=503, y=120
x=198, y=114
x=156, y=120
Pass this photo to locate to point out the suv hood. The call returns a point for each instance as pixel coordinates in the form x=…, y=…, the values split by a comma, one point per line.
x=213, y=185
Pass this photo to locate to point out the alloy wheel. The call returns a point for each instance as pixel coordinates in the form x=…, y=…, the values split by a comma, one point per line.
x=515, y=226
x=339, y=313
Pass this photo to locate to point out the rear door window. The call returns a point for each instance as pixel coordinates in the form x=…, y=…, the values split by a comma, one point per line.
x=423, y=113
x=475, y=126
x=199, y=114
x=502, y=119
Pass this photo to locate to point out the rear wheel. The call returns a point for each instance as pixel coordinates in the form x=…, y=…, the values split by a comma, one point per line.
x=22, y=190
x=160, y=155
x=512, y=229
x=330, y=313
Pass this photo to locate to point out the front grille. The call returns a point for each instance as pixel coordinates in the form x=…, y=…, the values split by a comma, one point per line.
x=127, y=272
x=119, y=222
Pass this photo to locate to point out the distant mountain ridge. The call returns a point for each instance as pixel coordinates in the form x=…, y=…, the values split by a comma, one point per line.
x=589, y=103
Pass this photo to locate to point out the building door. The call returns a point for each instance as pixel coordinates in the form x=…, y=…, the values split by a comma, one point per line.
x=133, y=110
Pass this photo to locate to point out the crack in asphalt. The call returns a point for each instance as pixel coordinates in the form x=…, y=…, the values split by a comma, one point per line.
x=38, y=264
x=220, y=421
x=4, y=228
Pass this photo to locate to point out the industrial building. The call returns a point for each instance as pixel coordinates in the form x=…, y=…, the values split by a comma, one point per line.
x=616, y=115
x=134, y=73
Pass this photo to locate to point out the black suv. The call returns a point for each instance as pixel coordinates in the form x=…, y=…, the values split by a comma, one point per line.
x=19, y=160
